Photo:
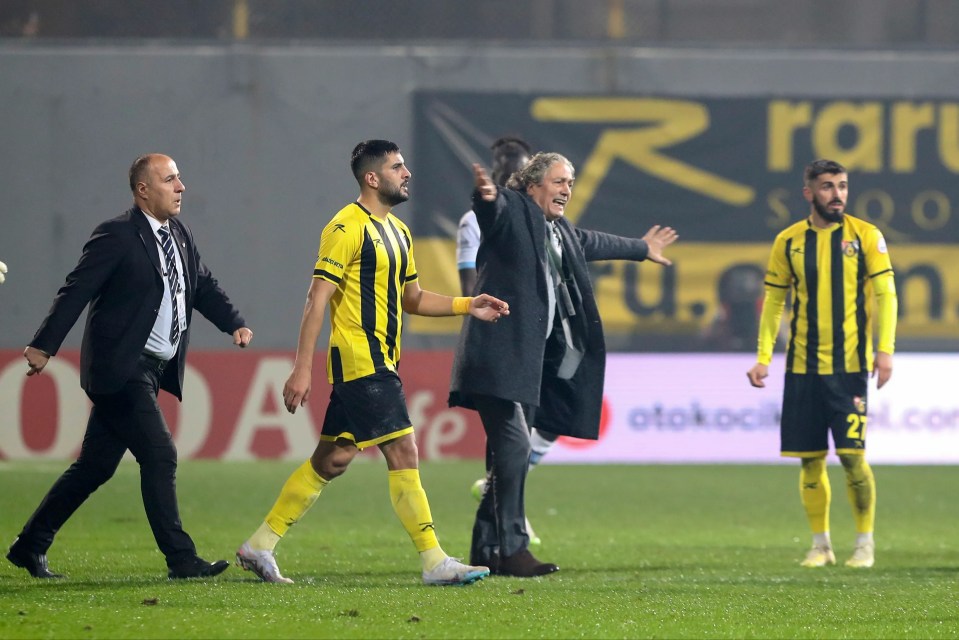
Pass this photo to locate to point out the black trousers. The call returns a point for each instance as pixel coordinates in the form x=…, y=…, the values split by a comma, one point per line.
x=129, y=419
x=500, y=526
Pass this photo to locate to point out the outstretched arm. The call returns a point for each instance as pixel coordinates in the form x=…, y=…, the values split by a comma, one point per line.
x=598, y=245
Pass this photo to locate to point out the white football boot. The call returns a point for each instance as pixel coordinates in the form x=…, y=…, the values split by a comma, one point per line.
x=863, y=556
x=261, y=562
x=819, y=556
x=453, y=572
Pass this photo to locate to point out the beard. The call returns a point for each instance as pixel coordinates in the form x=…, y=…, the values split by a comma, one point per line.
x=392, y=195
x=826, y=214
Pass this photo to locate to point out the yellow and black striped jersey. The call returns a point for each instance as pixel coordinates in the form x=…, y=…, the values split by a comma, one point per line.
x=831, y=274
x=370, y=261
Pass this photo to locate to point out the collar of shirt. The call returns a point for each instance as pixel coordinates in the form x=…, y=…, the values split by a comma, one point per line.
x=155, y=225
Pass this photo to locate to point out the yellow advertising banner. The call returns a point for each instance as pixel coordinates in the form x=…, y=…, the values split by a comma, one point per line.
x=711, y=285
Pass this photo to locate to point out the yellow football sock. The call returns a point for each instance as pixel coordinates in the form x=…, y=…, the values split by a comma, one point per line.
x=299, y=493
x=815, y=493
x=264, y=538
x=861, y=489
x=413, y=510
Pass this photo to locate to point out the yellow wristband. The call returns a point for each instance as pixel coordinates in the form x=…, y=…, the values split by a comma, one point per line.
x=461, y=306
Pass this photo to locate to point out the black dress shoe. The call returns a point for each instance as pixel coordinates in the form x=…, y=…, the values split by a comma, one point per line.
x=524, y=564
x=197, y=568
x=35, y=563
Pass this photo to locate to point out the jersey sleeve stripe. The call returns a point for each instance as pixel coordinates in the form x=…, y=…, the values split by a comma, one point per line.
x=326, y=275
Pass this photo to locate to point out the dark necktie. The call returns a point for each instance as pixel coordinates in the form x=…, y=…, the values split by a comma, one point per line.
x=166, y=243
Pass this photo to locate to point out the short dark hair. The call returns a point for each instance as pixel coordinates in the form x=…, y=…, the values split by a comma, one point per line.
x=818, y=167
x=510, y=141
x=138, y=169
x=367, y=156
x=509, y=155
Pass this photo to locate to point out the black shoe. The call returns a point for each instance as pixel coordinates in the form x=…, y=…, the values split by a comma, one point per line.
x=34, y=563
x=197, y=568
x=524, y=564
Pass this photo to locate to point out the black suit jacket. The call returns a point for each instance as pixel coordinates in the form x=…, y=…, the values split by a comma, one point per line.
x=505, y=359
x=120, y=277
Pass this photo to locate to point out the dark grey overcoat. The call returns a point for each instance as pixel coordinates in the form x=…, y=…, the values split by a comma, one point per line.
x=505, y=359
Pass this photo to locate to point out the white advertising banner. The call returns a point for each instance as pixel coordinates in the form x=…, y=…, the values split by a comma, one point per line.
x=700, y=408
x=658, y=408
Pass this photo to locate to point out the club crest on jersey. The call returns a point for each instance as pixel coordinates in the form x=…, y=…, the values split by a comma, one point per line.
x=859, y=403
x=850, y=248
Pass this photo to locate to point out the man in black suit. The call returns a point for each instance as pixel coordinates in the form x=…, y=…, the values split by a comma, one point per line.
x=549, y=355
x=144, y=276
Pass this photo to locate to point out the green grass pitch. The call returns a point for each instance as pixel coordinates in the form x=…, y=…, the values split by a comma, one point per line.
x=644, y=551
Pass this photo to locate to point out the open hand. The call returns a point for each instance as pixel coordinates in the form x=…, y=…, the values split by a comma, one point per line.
x=657, y=239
